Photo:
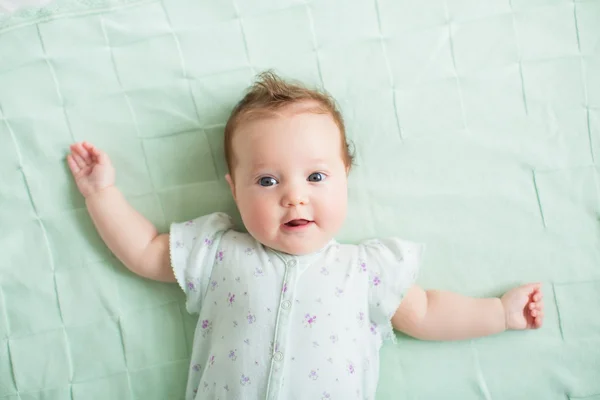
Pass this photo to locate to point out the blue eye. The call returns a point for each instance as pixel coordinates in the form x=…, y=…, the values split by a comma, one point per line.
x=316, y=177
x=267, y=181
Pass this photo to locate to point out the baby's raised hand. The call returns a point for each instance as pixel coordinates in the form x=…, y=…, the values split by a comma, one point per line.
x=523, y=307
x=91, y=168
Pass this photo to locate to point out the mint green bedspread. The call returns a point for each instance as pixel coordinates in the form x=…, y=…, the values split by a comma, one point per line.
x=477, y=130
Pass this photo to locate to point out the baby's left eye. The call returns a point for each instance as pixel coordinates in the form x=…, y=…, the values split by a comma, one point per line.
x=316, y=177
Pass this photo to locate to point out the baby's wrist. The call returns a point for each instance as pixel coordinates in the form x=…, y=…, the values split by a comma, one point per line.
x=503, y=314
x=98, y=193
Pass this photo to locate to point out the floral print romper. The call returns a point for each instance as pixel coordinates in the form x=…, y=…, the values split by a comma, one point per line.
x=277, y=326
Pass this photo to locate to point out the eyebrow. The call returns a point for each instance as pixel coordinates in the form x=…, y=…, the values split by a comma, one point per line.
x=318, y=162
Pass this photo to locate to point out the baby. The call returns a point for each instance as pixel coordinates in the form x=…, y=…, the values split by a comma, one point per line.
x=285, y=311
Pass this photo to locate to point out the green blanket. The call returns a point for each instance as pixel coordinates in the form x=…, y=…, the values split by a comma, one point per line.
x=477, y=131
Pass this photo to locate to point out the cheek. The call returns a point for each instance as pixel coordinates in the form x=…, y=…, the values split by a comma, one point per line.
x=334, y=203
x=256, y=210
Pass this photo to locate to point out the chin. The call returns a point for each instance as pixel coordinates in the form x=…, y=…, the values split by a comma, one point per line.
x=300, y=249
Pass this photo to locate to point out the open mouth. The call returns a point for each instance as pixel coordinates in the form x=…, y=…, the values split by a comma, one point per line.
x=297, y=223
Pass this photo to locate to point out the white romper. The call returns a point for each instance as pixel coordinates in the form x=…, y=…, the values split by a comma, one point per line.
x=276, y=326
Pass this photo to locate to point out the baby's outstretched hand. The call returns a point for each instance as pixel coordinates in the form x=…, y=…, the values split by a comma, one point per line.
x=91, y=168
x=523, y=307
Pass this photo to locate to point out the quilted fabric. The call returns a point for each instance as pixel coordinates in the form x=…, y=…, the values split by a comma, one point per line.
x=477, y=131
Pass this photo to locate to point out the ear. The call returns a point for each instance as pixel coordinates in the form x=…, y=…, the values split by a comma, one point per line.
x=229, y=180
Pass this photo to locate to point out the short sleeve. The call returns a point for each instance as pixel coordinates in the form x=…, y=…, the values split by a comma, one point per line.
x=193, y=246
x=392, y=265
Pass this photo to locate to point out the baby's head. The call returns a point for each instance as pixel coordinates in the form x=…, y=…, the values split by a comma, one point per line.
x=288, y=161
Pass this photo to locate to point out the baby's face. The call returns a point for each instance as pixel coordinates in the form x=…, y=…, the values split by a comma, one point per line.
x=290, y=182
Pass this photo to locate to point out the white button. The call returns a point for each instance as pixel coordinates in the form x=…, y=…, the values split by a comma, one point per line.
x=286, y=304
x=292, y=263
x=278, y=356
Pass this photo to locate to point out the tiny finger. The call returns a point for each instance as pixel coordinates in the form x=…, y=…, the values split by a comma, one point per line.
x=94, y=151
x=73, y=165
x=534, y=313
x=531, y=306
x=88, y=146
x=79, y=161
x=101, y=157
x=83, y=152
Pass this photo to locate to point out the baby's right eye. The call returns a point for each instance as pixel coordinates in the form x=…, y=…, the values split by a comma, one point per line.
x=267, y=181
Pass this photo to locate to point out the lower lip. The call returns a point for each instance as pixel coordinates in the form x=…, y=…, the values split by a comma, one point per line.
x=297, y=228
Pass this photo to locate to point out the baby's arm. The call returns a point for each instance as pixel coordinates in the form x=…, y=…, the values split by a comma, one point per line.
x=439, y=315
x=130, y=236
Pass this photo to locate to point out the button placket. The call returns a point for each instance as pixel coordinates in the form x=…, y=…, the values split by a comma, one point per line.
x=282, y=327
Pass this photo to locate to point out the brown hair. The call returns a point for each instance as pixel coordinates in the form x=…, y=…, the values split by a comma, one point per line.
x=270, y=93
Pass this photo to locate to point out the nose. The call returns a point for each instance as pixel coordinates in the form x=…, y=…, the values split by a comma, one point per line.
x=294, y=197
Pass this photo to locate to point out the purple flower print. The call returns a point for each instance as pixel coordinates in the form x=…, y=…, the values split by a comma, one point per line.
x=230, y=299
x=226, y=387
x=196, y=367
x=251, y=318
x=351, y=369
x=258, y=271
x=179, y=244
x=326, y=396
x=324, y=271
x=219, y=256
x=338, y=292
x=235, y=324
x=206, y=327
x=249, y=251
x=313, y=375
x=362, y=266
x=333, y=338
x=211, y=361
x=189, y=223
x=233, y=355
x=376, y=280
x=247, y=341
x=361, y=317
x=245, y=380
x=213, y=285
x=190, y=286
x=208, y=242
x=373, y=329
x=195, y=391
x=284, y=287
x=309, y=320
